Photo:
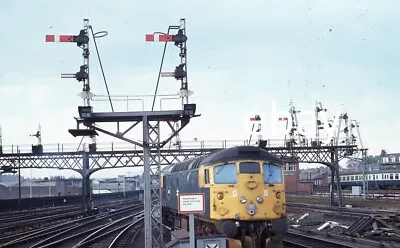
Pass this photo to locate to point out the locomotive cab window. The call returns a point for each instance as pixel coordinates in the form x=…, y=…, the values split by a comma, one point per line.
x=162, y=179
x=206, y=176
x=272, y=174
x=225, y=174
x=249, y=168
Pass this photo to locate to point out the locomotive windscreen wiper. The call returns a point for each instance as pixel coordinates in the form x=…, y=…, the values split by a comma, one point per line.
x=270, y=174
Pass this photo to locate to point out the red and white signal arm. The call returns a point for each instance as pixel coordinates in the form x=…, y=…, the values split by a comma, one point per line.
x=191, y=203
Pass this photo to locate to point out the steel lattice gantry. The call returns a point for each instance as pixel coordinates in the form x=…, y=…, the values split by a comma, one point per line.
x=153, y=155
x=86, y=163
x=97, y=160
x=327, y=155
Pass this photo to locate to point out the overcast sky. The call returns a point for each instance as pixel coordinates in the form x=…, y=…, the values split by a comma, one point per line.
x=241, y=57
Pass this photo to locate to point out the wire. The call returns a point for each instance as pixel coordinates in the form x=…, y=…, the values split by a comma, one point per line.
x=80, y=143
x=151, y=95
x=159, y=74
x=101, y=66
x=252, y=129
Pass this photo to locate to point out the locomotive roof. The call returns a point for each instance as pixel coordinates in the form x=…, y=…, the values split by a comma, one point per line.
x=240, y=152
x=232, y=153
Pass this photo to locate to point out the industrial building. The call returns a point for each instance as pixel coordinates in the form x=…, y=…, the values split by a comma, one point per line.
x=40, y=187
x=116, y=185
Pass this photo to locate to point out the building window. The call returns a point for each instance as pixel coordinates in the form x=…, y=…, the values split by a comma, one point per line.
x=393, y=159
x=290, y=167
x=352, y=178
x=396, y=176
x=391, y=176
x=385, y=160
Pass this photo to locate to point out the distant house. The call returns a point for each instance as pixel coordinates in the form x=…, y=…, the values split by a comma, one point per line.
x=390, y=161
x=319, y=177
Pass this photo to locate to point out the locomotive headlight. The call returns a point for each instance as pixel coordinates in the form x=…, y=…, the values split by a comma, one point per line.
x=251, y=209
x=220, y=195
x=278, y=195
x=260, y=199
x=243, y=200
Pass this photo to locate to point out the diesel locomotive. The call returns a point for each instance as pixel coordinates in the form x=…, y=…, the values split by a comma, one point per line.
x=244, y=193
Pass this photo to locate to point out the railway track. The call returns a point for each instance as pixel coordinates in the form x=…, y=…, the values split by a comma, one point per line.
x=341, y=210
x=36, y=211
x=304, y=241
x=355, y=202
x=49, y=234
x=26, y=216
x=28, y=222
x=309, y=239
x=14, y=215
x=114, y=235
x=342, y=213
x=127, y=237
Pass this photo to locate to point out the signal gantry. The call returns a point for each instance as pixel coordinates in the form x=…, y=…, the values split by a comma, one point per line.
x=151, y=121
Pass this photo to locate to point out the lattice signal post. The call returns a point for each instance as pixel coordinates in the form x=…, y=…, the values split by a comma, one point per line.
x=298, y=149
x=151, y=121
x=82, y=41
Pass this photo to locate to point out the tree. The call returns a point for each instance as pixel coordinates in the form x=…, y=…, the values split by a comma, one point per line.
x=383, y=152
x=373, y=159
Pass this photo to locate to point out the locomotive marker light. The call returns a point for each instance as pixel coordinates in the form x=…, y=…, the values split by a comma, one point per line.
x=191, y=204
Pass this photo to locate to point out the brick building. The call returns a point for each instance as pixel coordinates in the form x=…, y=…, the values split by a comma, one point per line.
x=292, y=180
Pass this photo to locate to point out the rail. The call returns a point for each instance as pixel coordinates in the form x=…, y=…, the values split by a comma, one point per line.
x=311, y=239
x=108, y=229
x=55, y=232
x=60, y=238
x=46, y=229
x=370, y=196
x=342, y=210
x=115, y=242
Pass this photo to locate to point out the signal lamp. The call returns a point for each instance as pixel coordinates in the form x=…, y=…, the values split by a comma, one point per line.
x=85, y=111
x=189, y=109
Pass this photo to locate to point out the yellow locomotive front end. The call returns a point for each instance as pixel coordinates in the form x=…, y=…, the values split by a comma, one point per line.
x=246, y=196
